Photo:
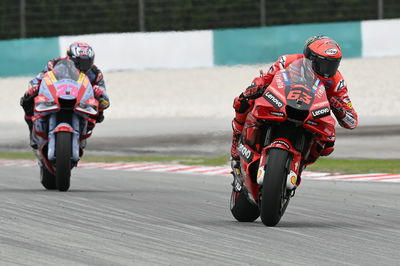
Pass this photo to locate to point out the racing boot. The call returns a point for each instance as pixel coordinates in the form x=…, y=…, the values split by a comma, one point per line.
x=237, y=182
x=235, y=162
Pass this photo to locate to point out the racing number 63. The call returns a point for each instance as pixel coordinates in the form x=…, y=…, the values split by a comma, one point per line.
x=298, y=94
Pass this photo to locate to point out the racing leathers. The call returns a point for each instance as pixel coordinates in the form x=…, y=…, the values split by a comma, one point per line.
x=95, y=77
x=336, y=90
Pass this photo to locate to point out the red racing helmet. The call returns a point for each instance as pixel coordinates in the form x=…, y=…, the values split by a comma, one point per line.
x=324, y=53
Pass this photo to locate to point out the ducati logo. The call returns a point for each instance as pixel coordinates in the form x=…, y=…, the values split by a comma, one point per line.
x=245, y=153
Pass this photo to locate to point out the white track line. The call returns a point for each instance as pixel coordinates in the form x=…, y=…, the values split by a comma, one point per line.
x=208, y=170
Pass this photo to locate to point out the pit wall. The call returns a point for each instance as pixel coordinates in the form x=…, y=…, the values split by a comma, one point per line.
x=197, y=49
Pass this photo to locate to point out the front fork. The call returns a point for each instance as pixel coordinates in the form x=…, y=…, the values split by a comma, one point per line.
x=65, y=126
x=293, y=166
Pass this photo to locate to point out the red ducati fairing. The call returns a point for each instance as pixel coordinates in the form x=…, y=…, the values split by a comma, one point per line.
x=289, y=120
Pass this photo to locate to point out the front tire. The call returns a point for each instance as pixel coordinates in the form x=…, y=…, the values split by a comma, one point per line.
x=63, y=160
x=273, y=198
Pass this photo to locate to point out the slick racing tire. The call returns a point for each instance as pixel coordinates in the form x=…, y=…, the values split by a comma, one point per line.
x=242, y=208
x=273, y=198
x=47, y=179
x=63, y=160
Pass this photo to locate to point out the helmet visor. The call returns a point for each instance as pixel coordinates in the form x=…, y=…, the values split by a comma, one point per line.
x=85, y=63
x=326, y=67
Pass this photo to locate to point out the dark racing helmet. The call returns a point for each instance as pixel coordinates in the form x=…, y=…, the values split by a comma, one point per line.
x=82, y=55
x=324, y=53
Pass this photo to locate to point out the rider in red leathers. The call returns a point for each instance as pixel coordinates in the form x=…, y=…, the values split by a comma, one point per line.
x=325, y=55
x=82, y=55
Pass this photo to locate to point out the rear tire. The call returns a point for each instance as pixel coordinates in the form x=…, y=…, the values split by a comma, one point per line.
x=242, y=208
x=47, y=179
x=63, y=160
x=273, y=204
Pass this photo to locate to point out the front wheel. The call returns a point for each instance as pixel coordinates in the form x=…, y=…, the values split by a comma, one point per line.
x=273, y=198
x=63, y=160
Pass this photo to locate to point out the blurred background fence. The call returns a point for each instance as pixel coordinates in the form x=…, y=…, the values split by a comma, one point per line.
x=45, y=18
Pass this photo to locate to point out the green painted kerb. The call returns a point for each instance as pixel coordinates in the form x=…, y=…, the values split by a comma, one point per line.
x=26, y=56
x=266, y=44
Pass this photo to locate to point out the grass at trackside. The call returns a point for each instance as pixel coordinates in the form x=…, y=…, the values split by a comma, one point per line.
x=212, y=161
x=17, y=155
x=345, y=166
x=360, y=166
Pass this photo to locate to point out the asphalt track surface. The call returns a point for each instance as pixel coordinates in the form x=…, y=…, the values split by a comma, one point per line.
x=133, y=218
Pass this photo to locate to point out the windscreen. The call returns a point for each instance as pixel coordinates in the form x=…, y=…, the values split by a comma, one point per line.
x=300, y=72
x=65, y=69
x=301, y=84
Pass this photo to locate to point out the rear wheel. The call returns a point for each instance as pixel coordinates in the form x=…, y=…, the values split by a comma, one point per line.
x=242, y=208
x=63, y=160
x=47, y=179
x=274, y=199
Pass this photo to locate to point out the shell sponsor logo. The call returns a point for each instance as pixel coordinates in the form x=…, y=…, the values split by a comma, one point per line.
x=260, y=175
x=291, y=180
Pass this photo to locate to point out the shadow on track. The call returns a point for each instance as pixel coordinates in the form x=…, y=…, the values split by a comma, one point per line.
x=281, y=225
x=72, y=191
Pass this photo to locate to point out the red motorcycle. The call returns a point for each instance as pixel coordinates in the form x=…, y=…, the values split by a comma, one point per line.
x=291, y=119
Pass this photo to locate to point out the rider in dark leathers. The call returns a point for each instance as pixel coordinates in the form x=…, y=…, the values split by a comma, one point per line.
x=82, y=55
